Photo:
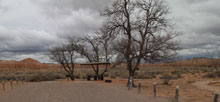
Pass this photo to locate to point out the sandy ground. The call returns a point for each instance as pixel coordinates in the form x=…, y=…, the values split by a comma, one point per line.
x=8, y=86
x=76, y=91
x=193, y=88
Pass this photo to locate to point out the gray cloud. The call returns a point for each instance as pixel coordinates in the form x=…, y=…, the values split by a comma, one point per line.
x=2, y=8
x=29, y=27
x=198, y=20
x=23, y=40
x=65, y=7
x=72, y=16
x=194, y=1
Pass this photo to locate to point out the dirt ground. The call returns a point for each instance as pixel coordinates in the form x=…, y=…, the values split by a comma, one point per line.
x=192, y=88
x=8, y=86
x=75, y=91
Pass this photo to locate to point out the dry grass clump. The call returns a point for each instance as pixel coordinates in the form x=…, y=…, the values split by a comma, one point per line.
x=33, y=76
x=168, y=77
x=44, y=76
x=215, y=74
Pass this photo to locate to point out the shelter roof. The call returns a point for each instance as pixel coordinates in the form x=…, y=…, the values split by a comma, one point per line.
x=96, y=63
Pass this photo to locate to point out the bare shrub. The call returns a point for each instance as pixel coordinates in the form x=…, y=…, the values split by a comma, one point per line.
x=33, y=76
x=212, y=75
x=167, y=78
x=145, y=76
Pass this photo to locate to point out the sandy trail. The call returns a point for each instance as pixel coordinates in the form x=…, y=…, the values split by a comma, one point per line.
x=78, y=91
x=205, y=86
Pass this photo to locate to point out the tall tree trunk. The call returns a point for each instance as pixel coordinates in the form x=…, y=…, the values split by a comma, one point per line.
x=71, y=76
x=131, y=76
x=97, y=75
x=131, y=79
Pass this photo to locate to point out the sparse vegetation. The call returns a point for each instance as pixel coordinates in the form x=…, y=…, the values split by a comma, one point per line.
x=33, y=76
x=212, y=75
x=167, y=77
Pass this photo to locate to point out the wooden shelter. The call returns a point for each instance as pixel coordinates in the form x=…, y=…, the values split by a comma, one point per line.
x=92, y=64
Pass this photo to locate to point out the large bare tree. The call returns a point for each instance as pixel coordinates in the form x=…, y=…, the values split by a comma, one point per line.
x=65, y=55
x=142, y=30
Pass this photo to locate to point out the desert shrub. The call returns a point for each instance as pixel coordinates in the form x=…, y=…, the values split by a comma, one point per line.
x=119, y=72
x=168, y=77
x=166, y=81
x=171, y=77
x=43, y=76
x=145, y=76
x=33, y=76
x=176, y=72
x=6, y=76
x=212, y=75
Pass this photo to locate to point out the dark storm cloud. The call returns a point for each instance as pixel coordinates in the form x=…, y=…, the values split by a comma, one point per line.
x=22, y=40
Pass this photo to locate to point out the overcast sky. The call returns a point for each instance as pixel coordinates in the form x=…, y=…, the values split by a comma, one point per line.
x=29, y=27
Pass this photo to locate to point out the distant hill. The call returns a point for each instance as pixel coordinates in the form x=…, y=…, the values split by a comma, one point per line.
x=193, y=62
x=30, y=61
x=24, y=65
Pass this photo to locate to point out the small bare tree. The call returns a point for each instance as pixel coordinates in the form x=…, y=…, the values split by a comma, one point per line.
x=106, y=39
x=142, y=30
x=64, y=55
x=214, y=54
x=89, y=47
x=98, y=48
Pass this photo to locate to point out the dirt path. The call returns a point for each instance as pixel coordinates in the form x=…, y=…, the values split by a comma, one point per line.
x=205, y=86
x=74, y=92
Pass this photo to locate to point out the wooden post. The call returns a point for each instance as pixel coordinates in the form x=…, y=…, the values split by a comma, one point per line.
x=80, y=73
x=3, y=85
x=130, y=84
x=177, y=94
x=216, y=97
x=11, y=83
x=139, y=87
x=109, y=75
x=155, y=89
x=17, y=81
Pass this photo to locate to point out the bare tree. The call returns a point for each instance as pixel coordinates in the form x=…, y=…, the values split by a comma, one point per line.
x=90, y=48
x=64, y=55
x=98, y=48
x=142, y=30
x=106, y=39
